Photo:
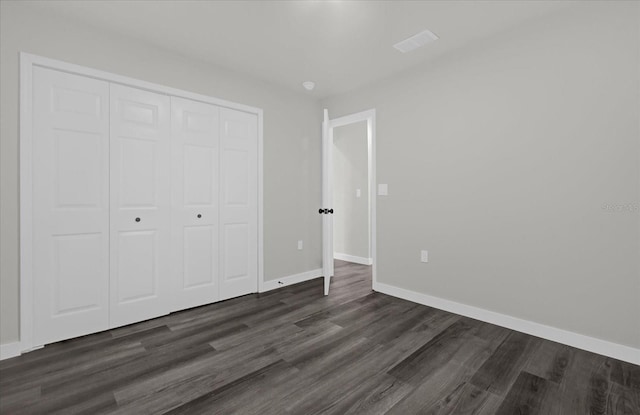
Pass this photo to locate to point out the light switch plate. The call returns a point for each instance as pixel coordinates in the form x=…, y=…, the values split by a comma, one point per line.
x=358, y=193
x=300, y=245
x=383, y=190
x=424, y=256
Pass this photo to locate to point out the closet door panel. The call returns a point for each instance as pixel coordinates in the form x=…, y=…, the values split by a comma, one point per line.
x=137, y=270
x=239, y=203
x=70, y=209
x=236, y=250
x=195, y=143
x=140, y=205
x=137, y=173
x=198, y=270
x=200, y=166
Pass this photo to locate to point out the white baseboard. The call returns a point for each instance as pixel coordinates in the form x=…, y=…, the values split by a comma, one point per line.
x=351, y=258
x=291, y=279
x=9, y=350
x=579, y=341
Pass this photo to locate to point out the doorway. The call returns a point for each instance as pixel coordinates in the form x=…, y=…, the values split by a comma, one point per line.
x=349, y=203
x=351, y=220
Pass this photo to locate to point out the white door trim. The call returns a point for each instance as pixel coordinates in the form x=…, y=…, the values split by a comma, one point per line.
x=27, y=62
x=370, y=117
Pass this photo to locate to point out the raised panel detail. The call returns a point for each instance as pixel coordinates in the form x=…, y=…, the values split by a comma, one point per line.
x=137, y=270
x=139, y=113
x=236, y=249
x=236, y=177
x=198, y=123
x=78, y=273
x=77, y=102
x=79, y=167
x=198, y=254
x=236, y=129
x=137, y=173
x=199, y=173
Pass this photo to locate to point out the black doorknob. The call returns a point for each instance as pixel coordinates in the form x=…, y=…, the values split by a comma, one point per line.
x=331, y=211
x=321, y=211
x=137, y=219
x=199, y=216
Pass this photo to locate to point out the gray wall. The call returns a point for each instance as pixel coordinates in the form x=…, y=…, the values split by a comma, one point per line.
x=508, y=160
x=350, y=172
x=292, y=183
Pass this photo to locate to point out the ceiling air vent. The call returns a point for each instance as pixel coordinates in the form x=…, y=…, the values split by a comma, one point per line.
x=416, y=41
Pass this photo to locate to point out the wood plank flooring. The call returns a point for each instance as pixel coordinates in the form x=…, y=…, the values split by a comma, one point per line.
x=294, y=351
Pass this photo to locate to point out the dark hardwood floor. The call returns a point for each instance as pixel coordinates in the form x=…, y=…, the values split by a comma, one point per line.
x=294, y=351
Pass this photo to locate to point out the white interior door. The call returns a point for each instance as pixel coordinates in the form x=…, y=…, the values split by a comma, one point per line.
x=140, y=205
x=238, y=203
x=70, y=205
x=327, y=202
x=195, y=137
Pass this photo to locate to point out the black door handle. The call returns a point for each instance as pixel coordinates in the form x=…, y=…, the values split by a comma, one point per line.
x=199, y=216
x=321, y=211
x=137, y=219
x=330, y=211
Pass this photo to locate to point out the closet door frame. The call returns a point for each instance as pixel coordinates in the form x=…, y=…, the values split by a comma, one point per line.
x=27, y=63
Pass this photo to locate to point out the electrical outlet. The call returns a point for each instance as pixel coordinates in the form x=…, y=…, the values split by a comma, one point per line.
x=300, y=245
x=424, y=256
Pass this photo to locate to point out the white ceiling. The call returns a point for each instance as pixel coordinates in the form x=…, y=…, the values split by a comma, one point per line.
x=340, y=45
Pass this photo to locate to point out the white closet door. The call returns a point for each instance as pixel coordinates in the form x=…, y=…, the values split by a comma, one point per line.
x=195, y=202
x=140, y=205
x=70, y=205
x=239, y=203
